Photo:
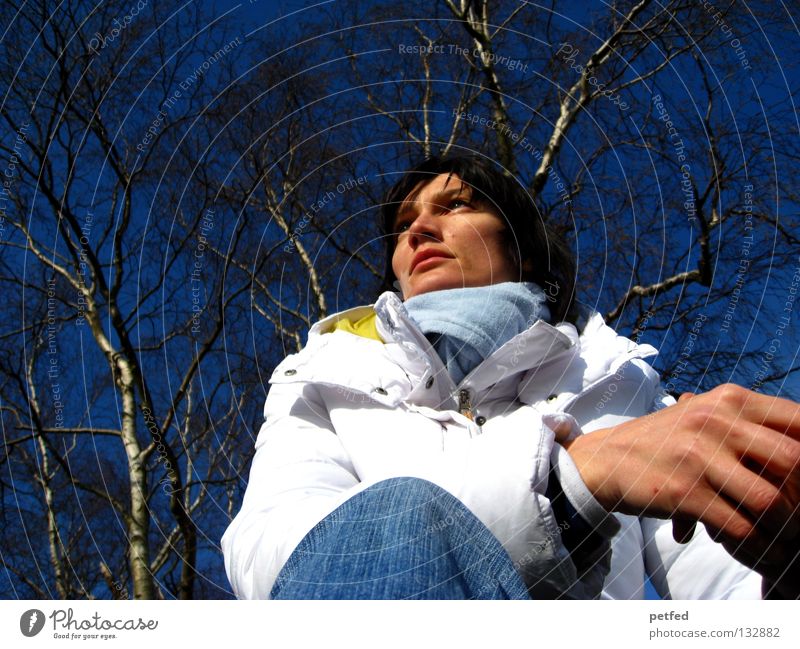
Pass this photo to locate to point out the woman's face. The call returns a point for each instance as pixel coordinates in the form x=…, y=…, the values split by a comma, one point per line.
x=444, y=239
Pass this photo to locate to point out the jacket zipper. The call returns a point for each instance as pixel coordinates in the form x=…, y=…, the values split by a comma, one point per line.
x=464, y=404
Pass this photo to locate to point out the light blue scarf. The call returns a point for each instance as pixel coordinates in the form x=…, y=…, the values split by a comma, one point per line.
x=465, y=325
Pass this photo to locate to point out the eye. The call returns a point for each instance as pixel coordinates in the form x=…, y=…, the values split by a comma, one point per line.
x=457, y=203
x=402, y=226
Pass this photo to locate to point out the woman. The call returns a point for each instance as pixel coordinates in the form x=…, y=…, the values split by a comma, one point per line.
x=438, y=446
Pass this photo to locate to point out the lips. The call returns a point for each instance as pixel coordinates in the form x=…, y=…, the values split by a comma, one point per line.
x=428, y=253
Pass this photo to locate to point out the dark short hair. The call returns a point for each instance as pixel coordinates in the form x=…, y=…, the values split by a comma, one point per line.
x=528, y=236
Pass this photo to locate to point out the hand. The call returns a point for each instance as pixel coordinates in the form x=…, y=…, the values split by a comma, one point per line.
x=683, y=529
x=729, y=458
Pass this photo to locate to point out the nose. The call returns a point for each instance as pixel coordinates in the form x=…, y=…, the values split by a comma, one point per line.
x=424, y=228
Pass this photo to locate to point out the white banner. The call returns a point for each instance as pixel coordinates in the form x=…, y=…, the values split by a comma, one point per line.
x=406, y=625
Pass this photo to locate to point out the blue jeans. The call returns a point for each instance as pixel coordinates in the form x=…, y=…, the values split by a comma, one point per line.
x=402, y=538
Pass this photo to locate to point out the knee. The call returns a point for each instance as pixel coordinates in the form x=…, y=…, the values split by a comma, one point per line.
x=407, y=482
x=419, y=487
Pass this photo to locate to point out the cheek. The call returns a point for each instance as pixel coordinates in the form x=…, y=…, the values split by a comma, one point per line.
x=397, y=263
x=493, y=244
x=489, y=241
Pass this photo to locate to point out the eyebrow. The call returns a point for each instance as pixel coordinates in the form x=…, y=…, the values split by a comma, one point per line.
x=439, y=198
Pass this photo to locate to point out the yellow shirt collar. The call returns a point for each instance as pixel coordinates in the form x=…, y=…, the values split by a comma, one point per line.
x=365, y=327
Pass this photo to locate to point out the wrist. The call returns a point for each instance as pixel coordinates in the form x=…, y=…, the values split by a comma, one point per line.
x=579, y=496
x=589, y=454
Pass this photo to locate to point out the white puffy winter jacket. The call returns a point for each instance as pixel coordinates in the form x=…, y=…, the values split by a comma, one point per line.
x=349, y=411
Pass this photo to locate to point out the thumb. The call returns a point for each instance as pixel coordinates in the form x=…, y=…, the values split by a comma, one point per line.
x=683, y=529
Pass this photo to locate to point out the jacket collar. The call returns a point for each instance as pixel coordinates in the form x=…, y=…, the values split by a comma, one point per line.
x=541, y=346
x=542, y=342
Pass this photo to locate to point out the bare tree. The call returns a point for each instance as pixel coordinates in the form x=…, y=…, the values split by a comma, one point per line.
x=641, y=133
x=92, y=266
x=186, y=190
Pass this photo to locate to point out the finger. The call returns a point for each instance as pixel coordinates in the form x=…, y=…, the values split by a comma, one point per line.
x=781, y=415
x=704, y=504
x=683, y=530
x=685, y=396
x=772, y=459
x=775, y=559
x=768, y=505
x=752, y=464
x=754, y=550
x=790, y=491
x=779, y=454
x=709, y=482
x=746, y=427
